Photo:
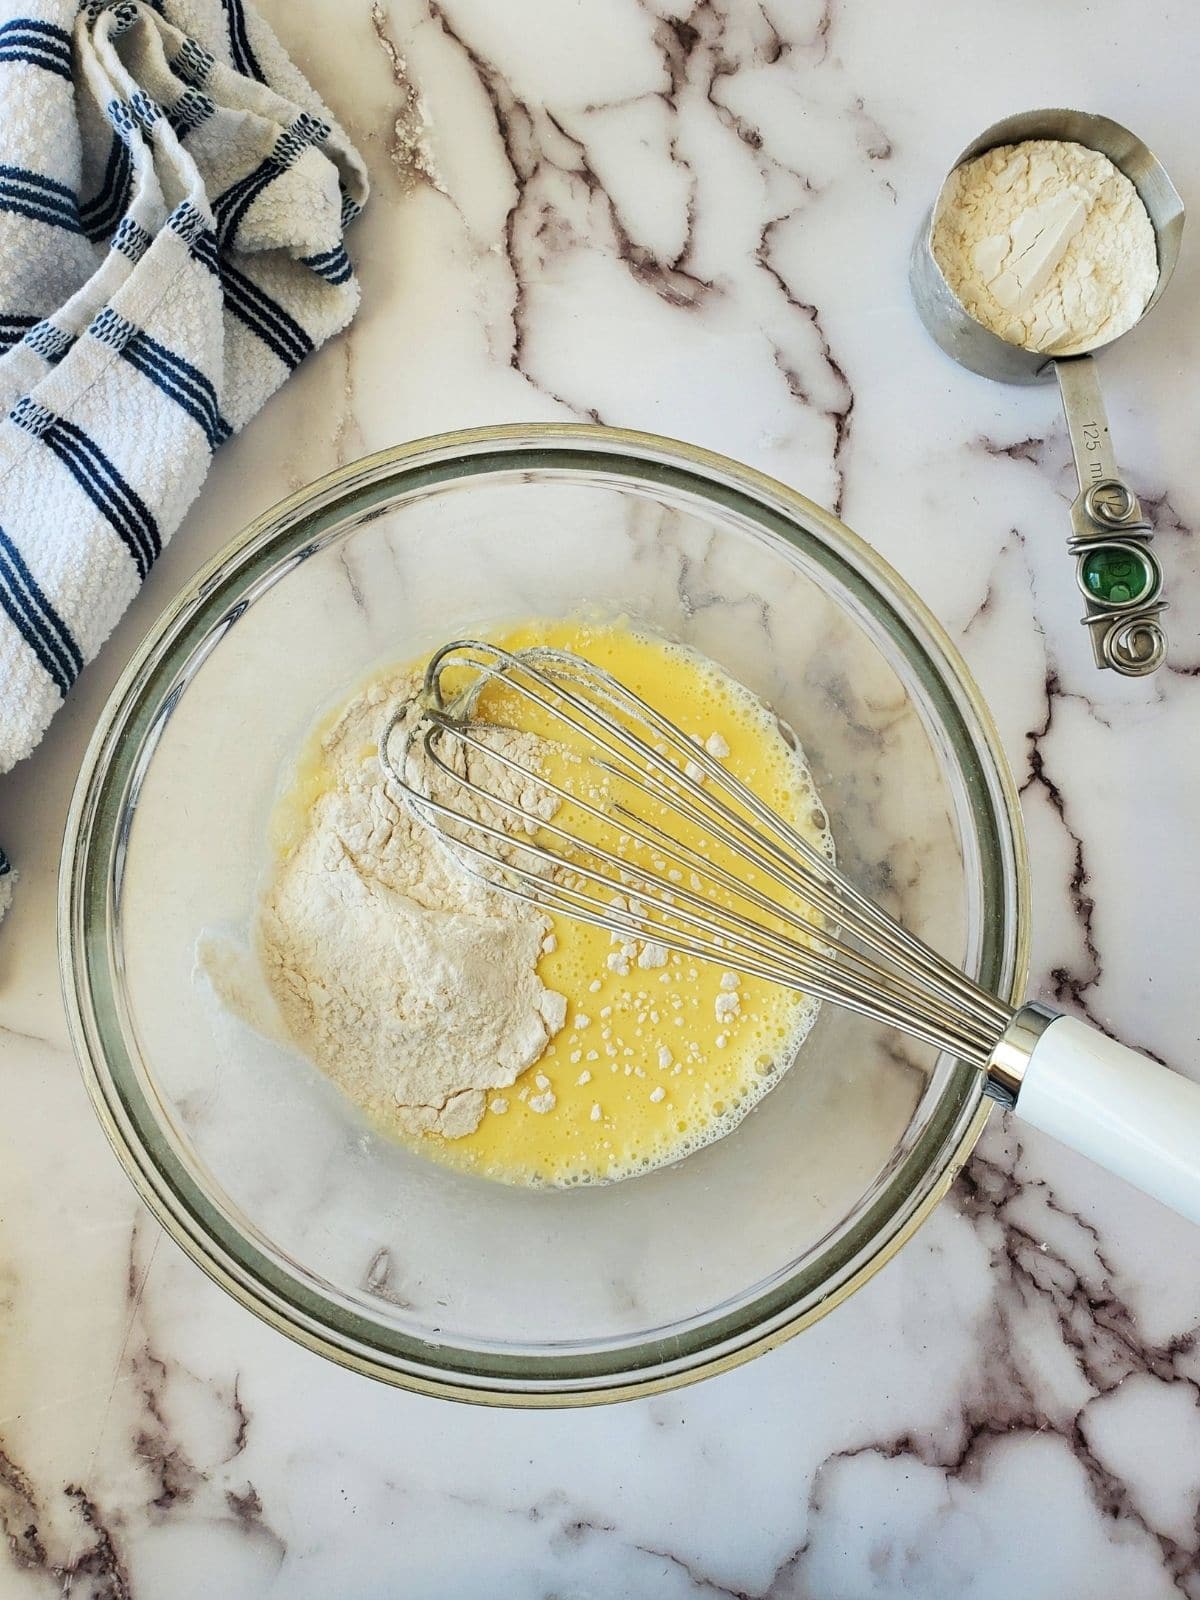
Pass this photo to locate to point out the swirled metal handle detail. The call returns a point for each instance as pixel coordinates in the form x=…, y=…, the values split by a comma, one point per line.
x=1134, y=645
x=1117, y=572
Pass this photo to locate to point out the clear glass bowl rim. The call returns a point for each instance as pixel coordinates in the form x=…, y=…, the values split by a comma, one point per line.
x=86, y=954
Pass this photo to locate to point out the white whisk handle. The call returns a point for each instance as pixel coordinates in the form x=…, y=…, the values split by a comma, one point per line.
x=1121, y=1110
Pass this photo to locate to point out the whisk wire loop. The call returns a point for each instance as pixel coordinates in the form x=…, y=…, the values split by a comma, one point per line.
x=854, y=911
x=686, y=906
x=800, y=941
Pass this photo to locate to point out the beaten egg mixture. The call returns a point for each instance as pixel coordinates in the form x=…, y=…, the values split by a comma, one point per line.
x=655, y=1053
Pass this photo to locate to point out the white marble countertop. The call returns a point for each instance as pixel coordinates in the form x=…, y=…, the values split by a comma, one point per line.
x=693, y=221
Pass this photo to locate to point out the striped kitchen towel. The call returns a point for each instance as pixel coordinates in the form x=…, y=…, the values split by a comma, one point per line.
x=173, y=201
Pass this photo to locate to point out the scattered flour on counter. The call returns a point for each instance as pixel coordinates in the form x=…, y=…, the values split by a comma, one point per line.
x=412, y=986
x=1047, y=244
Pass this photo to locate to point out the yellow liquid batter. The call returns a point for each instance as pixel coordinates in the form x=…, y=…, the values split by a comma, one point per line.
x=652, y=1062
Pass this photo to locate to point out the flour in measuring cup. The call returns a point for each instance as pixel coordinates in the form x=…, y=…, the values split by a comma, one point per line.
x=1047, y=244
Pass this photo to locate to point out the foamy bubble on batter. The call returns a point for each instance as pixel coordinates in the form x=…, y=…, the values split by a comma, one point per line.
x=691, y=1140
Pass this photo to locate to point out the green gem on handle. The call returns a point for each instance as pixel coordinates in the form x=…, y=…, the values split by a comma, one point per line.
x=1116, y=575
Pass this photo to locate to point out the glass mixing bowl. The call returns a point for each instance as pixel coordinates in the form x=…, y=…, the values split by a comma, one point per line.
x=272, y=1182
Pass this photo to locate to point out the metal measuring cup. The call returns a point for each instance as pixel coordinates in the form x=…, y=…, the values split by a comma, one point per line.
x=1117, y=572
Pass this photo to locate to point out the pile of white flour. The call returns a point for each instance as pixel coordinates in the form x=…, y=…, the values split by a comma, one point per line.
x=1047, y=244
x=413, y=987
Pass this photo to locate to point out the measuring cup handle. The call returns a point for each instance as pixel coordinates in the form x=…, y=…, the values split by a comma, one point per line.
x=1117, y=572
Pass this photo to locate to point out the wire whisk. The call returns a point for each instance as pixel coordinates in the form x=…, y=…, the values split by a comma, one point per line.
x=601, y=809
x=640, y=830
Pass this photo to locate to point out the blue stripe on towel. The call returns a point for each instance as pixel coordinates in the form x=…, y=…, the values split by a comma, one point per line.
x=230, y=207
x=144, y=109
x=100, y=215
x=13, y=328
x=130, y=239
x=204, y=248
x=258, y=312
x=193, y=63
x=31, y=194
x=240, y=48
x=187, y=221
x=190, y=112
x=244, y=300
x=178, y=379
x=117, y=501
x=41, y=44
x=35, y=619
x=50, y=187
x=181, y=382
x=54, y=36
x=296, y=137
x=13, y=50
x=49, y=342
x=332, y=265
